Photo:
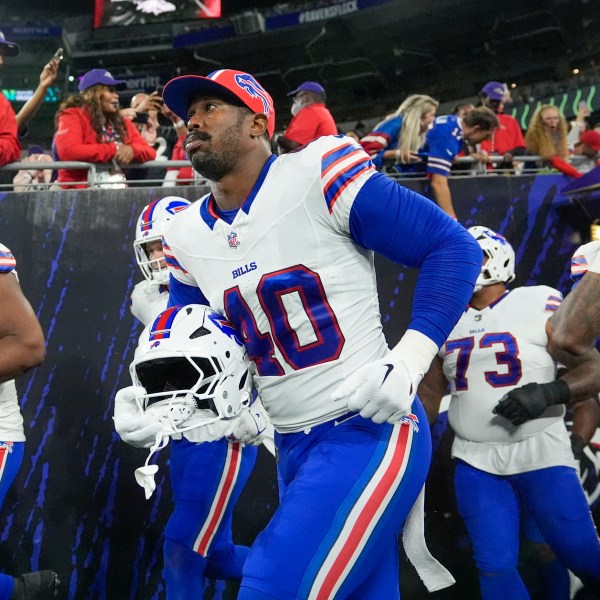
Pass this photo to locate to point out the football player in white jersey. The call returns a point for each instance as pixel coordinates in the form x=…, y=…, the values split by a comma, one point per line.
x=149, y=297
x=283, y=247
x=499, y=343
x=22, y=348
x=198, y=470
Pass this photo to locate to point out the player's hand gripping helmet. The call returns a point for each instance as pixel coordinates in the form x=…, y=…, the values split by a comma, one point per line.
x=151, y=225
x=500, y=264
x=193, y=367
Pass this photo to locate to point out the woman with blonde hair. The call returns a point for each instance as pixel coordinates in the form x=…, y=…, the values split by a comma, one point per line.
x=90, y=128
x=547, y=137
x=401, y=135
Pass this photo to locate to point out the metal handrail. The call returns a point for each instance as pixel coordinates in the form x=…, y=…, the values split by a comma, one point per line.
x=92, y=169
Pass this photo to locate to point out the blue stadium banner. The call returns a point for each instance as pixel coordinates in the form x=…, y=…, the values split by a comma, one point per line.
x=108, y=13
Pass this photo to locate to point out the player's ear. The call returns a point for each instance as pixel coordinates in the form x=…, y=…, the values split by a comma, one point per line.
x=259, y=125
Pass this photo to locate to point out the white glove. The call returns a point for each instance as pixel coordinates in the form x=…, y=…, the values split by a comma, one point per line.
x=251, y=425
x=210, y=432
x=385, y=389
x=134, y=426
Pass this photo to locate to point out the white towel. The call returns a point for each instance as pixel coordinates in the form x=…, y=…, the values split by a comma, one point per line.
x=433, y=574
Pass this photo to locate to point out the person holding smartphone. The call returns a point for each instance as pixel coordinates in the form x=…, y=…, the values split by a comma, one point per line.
x=47, y=78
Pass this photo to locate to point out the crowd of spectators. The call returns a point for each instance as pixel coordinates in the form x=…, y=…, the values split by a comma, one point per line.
x=94, y=126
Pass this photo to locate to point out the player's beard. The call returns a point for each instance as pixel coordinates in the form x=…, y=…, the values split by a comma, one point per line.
x=215, y=165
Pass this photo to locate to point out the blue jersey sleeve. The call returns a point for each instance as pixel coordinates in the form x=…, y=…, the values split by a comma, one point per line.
x=410, y=229
x=444, y=141
x=181, y=293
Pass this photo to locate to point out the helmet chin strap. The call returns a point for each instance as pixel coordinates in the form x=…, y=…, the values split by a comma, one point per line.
x=145, y=475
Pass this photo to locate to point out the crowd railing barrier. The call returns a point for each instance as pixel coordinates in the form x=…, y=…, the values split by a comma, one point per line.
x=93, y=180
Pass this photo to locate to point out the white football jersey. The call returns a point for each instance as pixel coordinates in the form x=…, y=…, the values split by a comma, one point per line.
x=11, y=421
x=282, y=269
x=148, y=299
x=488, y=353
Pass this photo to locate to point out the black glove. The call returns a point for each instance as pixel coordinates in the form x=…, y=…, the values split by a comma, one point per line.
x=531, y=400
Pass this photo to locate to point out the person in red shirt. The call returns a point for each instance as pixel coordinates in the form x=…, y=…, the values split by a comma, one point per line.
x=10, y=149
x=547, y=137
x=90, y=128
x=311, y=118
x=507, y=140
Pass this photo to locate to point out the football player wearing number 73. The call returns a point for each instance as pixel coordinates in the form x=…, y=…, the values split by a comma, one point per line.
x=283, y=248
x=503, y=466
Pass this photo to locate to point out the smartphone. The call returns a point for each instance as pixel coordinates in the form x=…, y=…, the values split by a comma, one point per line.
x=59, y=55
x=582, y=105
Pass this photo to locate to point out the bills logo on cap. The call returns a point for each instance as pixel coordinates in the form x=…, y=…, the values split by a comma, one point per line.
x=247, y=83
x=232, y=239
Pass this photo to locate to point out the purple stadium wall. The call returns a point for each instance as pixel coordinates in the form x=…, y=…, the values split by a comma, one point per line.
x=75, y=506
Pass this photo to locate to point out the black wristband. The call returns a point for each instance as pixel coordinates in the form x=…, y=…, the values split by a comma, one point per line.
x=556, y=392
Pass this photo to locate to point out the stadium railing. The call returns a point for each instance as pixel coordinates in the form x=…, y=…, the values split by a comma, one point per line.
x=93, y=180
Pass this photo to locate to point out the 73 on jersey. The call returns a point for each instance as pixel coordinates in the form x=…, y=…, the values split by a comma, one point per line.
x=507, y=357
x=287, y=297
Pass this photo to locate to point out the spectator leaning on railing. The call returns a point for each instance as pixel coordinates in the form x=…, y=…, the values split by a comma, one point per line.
x=547, y=137
x=400, y=136
x=91, y=129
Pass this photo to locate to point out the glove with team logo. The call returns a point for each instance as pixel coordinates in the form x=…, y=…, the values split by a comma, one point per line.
x=251, y=425
x=531, y=400
x=133, y=425
x=385, y=389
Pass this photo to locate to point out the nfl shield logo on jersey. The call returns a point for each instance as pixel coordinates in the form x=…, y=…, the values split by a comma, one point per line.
x=232, y=240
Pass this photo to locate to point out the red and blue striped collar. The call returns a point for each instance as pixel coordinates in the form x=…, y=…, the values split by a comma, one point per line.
x=211, y=213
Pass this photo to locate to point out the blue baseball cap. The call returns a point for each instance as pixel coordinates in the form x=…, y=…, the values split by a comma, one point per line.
x=494, y=90
x=99, y=77
x=10, y=48
x=308, y=86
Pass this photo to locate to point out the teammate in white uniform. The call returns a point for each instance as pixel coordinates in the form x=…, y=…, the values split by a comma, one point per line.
x=206, y=478
x=22, y=348
x=283, y=248
x=150, y=296
x=499, y=343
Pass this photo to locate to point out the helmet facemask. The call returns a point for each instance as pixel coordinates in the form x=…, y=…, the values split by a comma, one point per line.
x=152, y=270
x=151, y=225
x=178, y=386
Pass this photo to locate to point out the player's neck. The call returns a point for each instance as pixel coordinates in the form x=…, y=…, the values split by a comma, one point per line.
x=232, y=189
x=487, y=295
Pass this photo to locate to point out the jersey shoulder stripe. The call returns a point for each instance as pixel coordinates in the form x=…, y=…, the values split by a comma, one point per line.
x=170, y=258
x=341, y=166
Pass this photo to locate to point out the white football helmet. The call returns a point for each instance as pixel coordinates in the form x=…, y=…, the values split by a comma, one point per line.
x=582, y=258
x=194, y=368
x=500, y=264
x=151, y=225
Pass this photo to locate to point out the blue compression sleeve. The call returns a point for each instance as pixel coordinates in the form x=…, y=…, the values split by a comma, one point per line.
x=410, y=229
x=181, y=293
